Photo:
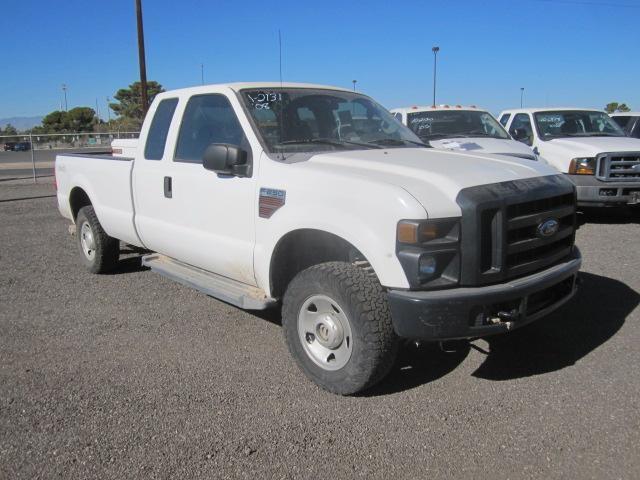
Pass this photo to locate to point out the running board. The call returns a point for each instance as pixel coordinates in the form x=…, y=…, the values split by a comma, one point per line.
x=223, y=288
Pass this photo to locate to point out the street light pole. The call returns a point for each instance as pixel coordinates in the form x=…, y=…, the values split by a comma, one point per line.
x=521, y=95
x=141, y=58
x=108, y=110
x=354, y=84
x=64, y=89
x=202, y=73
x=435, y=51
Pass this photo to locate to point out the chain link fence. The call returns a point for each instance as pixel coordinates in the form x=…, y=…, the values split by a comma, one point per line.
x=36, y=152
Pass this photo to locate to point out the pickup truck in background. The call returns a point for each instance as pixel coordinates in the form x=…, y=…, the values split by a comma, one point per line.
x=629, y=122
x=316, y=197
x=585, y=144
x=466, y=129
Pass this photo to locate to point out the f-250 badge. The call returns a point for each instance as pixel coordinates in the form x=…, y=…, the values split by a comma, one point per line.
x=271, y=200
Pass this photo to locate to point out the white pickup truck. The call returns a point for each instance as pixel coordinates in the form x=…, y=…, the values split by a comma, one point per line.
x=316, y=197
x=585, y=144
x=466, y=129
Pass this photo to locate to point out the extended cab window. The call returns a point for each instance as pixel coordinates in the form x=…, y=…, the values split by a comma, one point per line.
x=207, y=119
x=522, y=122
x=504, y=119
x=157, y=138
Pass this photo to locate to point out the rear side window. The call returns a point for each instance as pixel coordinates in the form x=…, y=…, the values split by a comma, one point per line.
x=207, y=119
x=157, y=138
x=504, y=119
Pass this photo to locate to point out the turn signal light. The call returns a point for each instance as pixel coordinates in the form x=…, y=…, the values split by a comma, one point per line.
x=416, y=232
x=582, y=166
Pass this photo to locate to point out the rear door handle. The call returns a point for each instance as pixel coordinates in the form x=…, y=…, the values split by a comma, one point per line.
x=168, y=191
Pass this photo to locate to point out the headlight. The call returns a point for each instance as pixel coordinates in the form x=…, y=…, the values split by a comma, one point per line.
x=582, y=166
x=429, y=251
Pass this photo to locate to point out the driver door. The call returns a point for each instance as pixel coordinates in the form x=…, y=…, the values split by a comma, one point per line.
x=208, y=220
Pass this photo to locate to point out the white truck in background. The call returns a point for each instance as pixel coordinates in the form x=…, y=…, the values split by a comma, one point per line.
x=316, y=197
x=585, y=144
x=465, y=129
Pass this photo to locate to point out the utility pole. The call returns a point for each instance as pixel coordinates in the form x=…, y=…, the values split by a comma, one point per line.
x=64, y=89
x=108, y=110
x=521, y=95
x=202, y=73
x=141, y=58
x=435, y=51
x=354, y=84
x=97, y=111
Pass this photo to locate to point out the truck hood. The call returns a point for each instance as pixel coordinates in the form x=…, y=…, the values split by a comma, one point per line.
x=483, y=145
x=589, y=146
x=433, y=177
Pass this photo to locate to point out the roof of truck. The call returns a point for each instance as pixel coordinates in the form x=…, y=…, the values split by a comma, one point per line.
x=625, y=114
x=243, y=85
x=548, y=109
x=436, y=108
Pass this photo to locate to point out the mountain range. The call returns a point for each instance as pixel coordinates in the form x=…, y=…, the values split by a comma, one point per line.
x=21, y=123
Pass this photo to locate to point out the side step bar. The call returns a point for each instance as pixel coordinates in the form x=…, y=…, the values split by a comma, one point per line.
x=223, y=288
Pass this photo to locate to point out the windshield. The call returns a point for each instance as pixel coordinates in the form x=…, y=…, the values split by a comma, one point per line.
x=576, y=123
x=311, y=120
x=438, y=124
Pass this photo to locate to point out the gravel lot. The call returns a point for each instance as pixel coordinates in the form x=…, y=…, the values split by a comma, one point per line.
x=132, y=376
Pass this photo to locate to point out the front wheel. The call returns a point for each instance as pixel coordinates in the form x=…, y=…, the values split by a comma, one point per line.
x=99, y=252
x=337, y=325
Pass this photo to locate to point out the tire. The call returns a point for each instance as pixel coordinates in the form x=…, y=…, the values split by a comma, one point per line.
x=369, y=345
x=99, y=252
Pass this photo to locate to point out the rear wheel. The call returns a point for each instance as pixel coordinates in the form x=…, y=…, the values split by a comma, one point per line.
x=99, y=252
x=337, y=326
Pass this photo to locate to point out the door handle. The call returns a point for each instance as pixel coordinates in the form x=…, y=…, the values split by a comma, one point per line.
x=168, y=191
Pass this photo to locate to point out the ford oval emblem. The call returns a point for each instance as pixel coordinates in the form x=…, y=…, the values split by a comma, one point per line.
x=548, y=228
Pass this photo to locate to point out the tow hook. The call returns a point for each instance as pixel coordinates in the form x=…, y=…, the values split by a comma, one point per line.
x=504, y=317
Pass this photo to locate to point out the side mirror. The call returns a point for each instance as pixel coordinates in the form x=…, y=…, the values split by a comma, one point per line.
x=520, y=134
x=225, y=159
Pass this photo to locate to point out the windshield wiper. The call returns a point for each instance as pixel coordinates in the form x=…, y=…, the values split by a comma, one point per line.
x=394, y=141
x=590, y=134
x=326, y=141
x=602, y=134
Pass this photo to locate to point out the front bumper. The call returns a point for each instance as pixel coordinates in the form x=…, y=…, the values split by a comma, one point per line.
x=471, y=311
x=596, y=193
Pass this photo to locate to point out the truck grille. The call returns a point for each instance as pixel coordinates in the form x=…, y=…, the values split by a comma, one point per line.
x=619, y=167
x=502, y=223
x=527, y=249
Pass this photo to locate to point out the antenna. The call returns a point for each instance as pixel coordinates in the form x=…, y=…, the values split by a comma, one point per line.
x=281, y=119
x=280, y=53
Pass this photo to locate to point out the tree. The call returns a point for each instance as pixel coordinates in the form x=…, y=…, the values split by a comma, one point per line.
x=616, y=107
x=129, y=100
x=55, y=122
x=9, y=130
x=81, y=119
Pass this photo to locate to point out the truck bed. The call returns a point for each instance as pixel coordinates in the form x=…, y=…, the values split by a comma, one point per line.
x=106, y=180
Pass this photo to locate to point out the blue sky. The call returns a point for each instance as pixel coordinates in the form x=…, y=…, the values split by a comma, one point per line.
x=563, y=52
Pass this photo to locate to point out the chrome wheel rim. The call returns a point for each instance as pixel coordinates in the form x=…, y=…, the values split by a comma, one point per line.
x=325, y=332
x=87, y=241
